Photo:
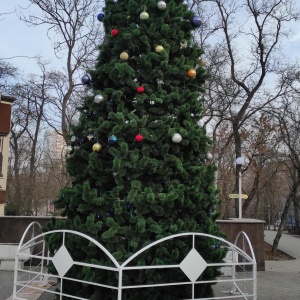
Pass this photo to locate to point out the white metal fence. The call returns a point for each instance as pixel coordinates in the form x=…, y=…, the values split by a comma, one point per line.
x=238, y=281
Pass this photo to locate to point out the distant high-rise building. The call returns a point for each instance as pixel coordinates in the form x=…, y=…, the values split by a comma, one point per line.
x=55, y=144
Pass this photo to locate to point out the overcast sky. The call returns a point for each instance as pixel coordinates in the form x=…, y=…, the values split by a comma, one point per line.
x=20, y=41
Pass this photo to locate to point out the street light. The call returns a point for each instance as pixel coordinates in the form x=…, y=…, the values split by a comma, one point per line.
x=240, y=161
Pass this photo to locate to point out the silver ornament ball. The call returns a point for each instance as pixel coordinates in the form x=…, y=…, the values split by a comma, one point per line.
x=209, y=156
x=98, y=98
x=161, y=5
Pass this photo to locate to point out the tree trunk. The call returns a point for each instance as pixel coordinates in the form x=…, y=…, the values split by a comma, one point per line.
x=297, y=211
x=284, y=214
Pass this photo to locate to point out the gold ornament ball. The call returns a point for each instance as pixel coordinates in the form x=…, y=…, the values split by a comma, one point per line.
x=124, y=56
x=144, y=15
x=202, y=62
x=97, y=147
x=191, y=73
x=159, y=48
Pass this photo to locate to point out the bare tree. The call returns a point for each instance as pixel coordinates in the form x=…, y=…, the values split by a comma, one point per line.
x=244, y=54
x=288, y=121
x=7, y=72
x=34, y=98
x=75, y=33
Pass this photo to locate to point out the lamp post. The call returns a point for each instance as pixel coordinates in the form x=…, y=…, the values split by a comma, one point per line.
x=240, y=161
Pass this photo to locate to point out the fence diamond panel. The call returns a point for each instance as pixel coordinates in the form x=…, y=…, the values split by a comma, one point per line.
x=237, y=282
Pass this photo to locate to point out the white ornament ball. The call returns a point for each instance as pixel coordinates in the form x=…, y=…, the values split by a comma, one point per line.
x=176, y=138
x=152, y=102
x=161, y=5
x=209, y=156
x=98, y=99
x=144, y=15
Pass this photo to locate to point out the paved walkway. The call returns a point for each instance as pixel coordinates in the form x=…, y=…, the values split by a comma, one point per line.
x=280, y=281
x=6, y=284
x=289, y=244
x=281, y=278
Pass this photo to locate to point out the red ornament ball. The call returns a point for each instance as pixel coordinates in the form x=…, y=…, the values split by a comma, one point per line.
x=139, y=137
x=140, y=89
x=114, y=32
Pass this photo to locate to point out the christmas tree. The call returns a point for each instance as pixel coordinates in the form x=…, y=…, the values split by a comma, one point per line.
x=138, y=158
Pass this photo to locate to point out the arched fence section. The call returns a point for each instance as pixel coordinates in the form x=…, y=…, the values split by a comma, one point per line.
x=237, y=282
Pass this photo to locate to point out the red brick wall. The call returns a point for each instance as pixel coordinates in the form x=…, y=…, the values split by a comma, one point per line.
x=5, y=113
x=2, y=197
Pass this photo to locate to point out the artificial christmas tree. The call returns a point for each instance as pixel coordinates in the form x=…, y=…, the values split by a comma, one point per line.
x=138, y=158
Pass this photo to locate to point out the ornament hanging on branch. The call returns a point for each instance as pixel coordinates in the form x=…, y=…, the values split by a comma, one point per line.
x=140, y=89
x=161, y=5
x=90, y=136
x=209, y=156
x=124, y=56
x=100, y=17
x=98, y=99
x=176, y=138
x=112, y=140
x=159, y=48
x=202, y=62
x=139, y=137
x=144, y=15
x=115, y=32
x=183, y=44
x=85, y=79
x=196, y=21
x=97, y=147
x=191, y=73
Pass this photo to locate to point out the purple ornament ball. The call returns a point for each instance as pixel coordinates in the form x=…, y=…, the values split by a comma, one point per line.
x=196, y=21
x=85, y=79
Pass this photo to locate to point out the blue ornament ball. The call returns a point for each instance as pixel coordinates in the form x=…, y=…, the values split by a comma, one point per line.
x=100, y=17
x=85, y=79
x=196, y=21
x=112, y=140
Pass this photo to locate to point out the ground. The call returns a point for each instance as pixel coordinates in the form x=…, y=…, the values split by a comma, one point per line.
x=278, y=255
